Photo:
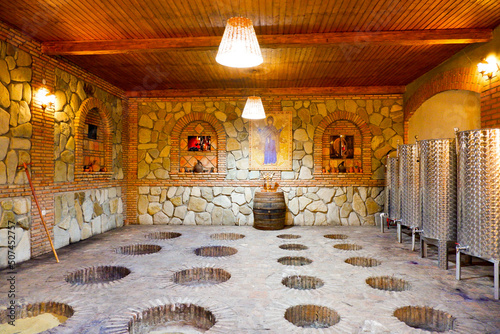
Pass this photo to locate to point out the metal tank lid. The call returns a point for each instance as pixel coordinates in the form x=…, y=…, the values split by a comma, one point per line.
x=479, y=130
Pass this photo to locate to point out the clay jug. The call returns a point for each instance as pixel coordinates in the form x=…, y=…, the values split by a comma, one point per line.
x=198, y=168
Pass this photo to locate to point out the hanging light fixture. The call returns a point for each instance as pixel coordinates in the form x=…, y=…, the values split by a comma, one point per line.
x=254, y=108
x=239, y=46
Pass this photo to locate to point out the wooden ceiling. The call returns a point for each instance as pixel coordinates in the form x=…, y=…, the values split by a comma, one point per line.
x=169, y=47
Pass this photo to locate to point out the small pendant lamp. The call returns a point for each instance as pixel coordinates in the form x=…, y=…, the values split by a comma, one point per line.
x=254, y=108
x=239, y=46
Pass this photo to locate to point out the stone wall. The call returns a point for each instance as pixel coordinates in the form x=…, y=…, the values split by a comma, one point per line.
x=80, y=215
x=15, y=216
x=70, y=93
x=15, y=114
x=233, y=205
x=383, y=116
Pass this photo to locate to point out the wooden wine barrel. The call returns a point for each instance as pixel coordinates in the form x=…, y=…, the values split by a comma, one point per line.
x=269, y=210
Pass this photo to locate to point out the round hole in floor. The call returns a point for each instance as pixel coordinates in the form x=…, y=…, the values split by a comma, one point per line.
x=363, y=262
x=349, y=247
x=172, y=318
x=300, y=282
x=227, y=236
x=215, y=251
x=138, y=249
x=294, y=247
x=425, y=318
x=163, y=235
x=336, y=236
x=289, y=236
x=92, y=275
x=201, y=276
x=294, y=261
x=44, y=315
x=388, y=283
x=312, y=316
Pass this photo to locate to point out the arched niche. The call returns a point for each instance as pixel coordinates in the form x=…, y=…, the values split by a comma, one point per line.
x=438, y=116
x=346, y=124
x=93, y=138
x=198, y=125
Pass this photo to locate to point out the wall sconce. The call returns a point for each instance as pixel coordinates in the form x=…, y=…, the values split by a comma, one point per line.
x=488, y=67
x=45, y=98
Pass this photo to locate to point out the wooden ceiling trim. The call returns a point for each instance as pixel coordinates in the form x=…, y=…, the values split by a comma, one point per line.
x=311, y=91
x=458, y=36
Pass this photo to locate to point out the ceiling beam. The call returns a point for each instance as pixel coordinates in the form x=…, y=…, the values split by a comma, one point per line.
x=414, y=37
x=375, y=90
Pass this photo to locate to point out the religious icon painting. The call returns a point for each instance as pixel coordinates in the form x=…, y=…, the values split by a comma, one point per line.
x=271, y=142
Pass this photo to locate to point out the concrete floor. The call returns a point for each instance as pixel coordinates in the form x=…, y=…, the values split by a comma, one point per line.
x=253, y=300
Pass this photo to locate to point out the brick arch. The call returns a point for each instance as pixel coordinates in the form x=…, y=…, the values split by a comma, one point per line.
x=193, y=117
x=345, y=116
x=466, y=78
x=86, y=106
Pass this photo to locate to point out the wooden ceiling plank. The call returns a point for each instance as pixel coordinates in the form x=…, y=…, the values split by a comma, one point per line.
x=98, y=15
x=407, y=22
x=303, y=40
x=357, y=22
x=424, y=16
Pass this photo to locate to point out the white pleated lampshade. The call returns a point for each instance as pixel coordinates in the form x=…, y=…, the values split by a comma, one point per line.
x=239, y=46
x=254, y=109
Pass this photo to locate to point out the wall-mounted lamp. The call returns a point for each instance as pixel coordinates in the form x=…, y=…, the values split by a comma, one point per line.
x=488, y=67
x=45, y=98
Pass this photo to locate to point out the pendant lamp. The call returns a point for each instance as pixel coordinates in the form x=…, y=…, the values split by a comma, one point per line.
x=239, y=46
x=254, y=108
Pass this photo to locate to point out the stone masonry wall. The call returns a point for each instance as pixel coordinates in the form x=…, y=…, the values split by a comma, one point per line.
x=15, y=216
x=233, y=205
x=156, y=120
x=70, y=94
x=15, y=114
x=312, y=198
x=80, y=215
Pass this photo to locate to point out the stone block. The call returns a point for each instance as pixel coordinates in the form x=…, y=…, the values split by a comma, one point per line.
x=300, y=135
x=305, y=173
x=217, y=214
x=154, y=208
x=160, y=218
x=222, y=201
x=358, y=205
x=345, y=210
x=96, y=224
x=180, y=212
x=75, y=233
x=86, y=231
x=354, y=220
x=4, y=97
x=317, y=206
x=23, y=248
x=197, y=204
x=61, y=237
x=4, y=123
x=21, y=205
x=189, y=219
x=4, y=72
x=326, y=194
x=304, y=202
